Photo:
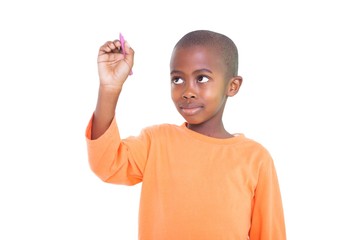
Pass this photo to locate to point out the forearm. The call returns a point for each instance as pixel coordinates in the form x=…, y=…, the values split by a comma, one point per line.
x=105, y=110
x=114, y=65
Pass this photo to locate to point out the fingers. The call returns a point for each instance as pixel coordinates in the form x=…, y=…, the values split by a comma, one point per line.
x=111, y=47
x=111, y=51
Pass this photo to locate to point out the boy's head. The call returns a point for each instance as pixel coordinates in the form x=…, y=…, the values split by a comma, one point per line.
x=203, y=70
x=222, y=45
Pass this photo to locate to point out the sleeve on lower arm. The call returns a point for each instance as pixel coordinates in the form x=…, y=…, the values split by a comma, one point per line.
x=110, y=159
x=267, y=214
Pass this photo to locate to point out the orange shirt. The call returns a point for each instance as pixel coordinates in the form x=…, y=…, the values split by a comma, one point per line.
x=193, y=186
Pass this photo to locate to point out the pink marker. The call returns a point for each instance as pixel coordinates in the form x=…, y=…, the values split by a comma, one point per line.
x=122, y=42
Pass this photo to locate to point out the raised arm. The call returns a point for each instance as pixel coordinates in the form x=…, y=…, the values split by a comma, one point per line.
x=114, y=67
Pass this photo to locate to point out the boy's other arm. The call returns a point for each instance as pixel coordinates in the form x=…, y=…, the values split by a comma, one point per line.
x=113, y=67
x=267, y=210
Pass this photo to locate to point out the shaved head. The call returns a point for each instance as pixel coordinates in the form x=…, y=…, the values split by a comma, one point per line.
x=220, y=43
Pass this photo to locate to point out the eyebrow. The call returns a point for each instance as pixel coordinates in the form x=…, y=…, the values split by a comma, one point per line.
x=197, y=71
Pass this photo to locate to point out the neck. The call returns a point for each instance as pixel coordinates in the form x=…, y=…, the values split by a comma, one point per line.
x=215, y=131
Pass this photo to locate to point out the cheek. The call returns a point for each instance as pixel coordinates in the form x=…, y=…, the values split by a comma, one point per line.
x=212, y=94
x=174, y=93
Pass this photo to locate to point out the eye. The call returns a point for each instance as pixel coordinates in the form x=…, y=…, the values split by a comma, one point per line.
x=203, y=79
x=177, y=80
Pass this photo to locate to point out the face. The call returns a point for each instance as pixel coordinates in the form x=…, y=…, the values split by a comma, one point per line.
x=198, y=88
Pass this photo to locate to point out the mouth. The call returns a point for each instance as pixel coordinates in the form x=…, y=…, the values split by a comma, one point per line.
x=190, y=110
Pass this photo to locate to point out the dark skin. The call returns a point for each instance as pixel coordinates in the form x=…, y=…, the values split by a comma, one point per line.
x=114, y=68
x=200, y=88
x=200, y=99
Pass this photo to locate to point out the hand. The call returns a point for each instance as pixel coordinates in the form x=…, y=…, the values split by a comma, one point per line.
x=113, y=65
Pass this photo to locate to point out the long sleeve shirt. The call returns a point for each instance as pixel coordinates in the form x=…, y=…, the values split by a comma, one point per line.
x=194, y=187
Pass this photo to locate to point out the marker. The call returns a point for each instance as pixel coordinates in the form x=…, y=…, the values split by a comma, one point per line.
x=122, y=42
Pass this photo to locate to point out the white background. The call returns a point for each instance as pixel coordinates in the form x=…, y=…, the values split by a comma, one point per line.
x=300, y=99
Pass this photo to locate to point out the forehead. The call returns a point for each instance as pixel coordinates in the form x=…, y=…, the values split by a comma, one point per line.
x=196, y=57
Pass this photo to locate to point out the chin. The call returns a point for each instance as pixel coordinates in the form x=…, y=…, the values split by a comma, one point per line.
x=192, y=121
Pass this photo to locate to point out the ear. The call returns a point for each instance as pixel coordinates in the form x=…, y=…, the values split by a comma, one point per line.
x=234, y=86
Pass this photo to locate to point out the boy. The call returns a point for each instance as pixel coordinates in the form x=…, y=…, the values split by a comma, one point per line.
x=198, y=181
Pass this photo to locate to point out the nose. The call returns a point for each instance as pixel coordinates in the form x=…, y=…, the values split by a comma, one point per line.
x=189, y=91
x=188, y=96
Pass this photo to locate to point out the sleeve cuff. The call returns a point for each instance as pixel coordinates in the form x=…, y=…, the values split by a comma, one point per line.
x=111, y=132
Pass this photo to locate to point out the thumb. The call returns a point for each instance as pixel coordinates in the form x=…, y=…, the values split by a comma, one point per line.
x=129, y=56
